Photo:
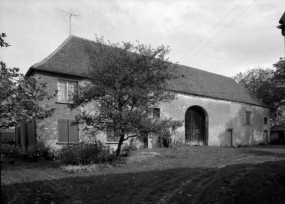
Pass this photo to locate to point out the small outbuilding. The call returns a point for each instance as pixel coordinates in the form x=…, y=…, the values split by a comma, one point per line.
x=277, y=132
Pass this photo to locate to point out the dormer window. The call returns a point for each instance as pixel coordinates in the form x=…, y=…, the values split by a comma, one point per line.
x=65, y=89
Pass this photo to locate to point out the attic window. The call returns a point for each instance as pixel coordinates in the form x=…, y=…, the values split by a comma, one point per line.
x=65, y=89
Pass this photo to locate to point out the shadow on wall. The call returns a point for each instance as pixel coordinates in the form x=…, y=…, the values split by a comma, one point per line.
x=242, y=132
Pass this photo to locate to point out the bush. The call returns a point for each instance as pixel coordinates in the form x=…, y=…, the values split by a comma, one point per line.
x=127, y=149
x=33, y=154
x=86, y=153
x=7, y=138
x=12, y=151
x=40, y=152
x=278, y=141
x=164, y=139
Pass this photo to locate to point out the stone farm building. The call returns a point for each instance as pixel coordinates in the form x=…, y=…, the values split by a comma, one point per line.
x=215, y=109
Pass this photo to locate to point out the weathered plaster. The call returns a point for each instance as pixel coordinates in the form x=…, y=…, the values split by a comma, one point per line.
x=222, y=115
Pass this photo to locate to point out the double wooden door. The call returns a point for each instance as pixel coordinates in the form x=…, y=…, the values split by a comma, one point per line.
x=195, y=125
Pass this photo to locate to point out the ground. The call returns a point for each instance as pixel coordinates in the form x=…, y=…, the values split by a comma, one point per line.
x=171, y=175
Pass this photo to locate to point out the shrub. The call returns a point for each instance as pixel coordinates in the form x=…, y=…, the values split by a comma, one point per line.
x=278, y=141
x=34, y=153
x=7, y=138
x=40, y=152
x=86, y=153
x=164, y=139
x=126, y=150
x=12, y=151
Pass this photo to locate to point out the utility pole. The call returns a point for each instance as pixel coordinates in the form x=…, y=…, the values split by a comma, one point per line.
x=282, y=27
x=70, y=15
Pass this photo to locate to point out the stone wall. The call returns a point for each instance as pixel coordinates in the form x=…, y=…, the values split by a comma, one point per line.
x=47, y=129
x=222, y=115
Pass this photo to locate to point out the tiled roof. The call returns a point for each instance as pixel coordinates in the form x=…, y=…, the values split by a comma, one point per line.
x=72, y=58
x=277, y=128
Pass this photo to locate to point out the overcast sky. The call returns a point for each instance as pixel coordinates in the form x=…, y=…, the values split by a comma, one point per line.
x=247, y=38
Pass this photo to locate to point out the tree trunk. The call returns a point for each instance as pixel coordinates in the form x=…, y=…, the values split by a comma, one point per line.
x=118, y=151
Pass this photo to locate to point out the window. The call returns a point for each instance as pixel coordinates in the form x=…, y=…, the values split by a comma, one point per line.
x=156, y=112
x=247, y=113
x=111, y=137
x=65, y=88
x=265, y=121
x=67, y=131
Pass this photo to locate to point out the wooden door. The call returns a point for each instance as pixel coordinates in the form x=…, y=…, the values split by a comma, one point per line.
x=195, y=125
x=229, y=138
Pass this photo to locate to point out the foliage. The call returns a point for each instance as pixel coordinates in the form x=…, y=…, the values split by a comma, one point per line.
x=127, y=149
x=2, y=41
x=86, y=153
x=35, y=153
x=13, y=151
x=20, y=96
x=40, y=152
x=164, y=139
x=278, y=141
x=125, y=83
x=268, y=86
x=279, y=81
x=7, y=138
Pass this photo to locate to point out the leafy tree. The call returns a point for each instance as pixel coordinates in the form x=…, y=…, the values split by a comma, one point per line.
x=125, y=83
x=268, y=86
x=279, y=81
x=20, y=95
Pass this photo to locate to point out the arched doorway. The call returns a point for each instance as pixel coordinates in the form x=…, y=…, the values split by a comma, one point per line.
x=196, y=126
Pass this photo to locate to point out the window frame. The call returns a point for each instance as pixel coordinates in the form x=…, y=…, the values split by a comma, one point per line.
x=265, y=120
x=69, y=127
x=110, y=136
x=66, y=91
x=247, y=117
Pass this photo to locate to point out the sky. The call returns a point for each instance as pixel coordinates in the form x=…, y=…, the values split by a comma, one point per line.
x=219, y=36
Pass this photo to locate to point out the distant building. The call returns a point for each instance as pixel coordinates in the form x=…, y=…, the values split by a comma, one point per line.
x=277, y=132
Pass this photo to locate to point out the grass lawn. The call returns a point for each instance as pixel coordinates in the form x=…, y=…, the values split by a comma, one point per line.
x=188, y=175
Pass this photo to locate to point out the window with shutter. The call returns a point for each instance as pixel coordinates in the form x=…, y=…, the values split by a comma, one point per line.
x=73, y=132
x=67, y=131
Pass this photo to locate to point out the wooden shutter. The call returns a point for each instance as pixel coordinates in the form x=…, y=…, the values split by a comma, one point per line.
x=63, y=130
x=31, y=133
x=73, y=132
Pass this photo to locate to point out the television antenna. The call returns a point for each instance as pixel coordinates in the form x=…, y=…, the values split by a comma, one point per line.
x=70, y=15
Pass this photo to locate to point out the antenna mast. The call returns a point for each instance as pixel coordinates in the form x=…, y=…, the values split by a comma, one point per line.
x=70, y=15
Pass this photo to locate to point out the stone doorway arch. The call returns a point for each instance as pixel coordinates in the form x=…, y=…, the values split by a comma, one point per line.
x=196, y=126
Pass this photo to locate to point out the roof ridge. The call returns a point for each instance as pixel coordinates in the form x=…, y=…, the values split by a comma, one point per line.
x=54, y=52
x=84, y=38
